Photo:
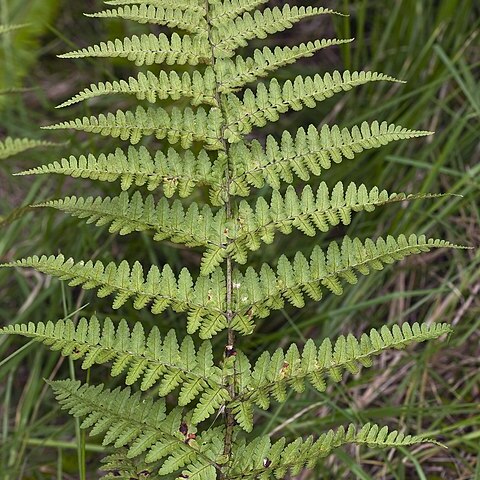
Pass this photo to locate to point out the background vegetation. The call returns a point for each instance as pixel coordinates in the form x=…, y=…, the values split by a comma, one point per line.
x=434, y=45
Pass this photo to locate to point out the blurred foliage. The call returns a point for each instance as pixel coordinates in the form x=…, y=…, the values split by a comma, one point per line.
x=21, y=48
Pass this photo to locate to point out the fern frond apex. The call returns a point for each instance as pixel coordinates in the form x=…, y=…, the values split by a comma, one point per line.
x=10, y=28
x=13, y=146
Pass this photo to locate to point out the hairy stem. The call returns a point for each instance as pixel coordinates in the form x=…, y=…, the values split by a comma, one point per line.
x=230, y=347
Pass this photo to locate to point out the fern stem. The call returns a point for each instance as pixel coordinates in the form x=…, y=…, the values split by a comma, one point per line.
x=229, y=416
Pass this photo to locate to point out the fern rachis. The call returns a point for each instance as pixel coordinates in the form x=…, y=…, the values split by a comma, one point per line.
x=217, y=394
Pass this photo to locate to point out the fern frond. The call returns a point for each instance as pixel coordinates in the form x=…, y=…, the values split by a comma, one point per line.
x=260, y=460
x=10, y=91
x=273, y=375
x=151, y=49
x=252, y=165
x=198, y=87
x=13, y=146
x=203, y=75
x=140, y=424
x=199, y=471
x=307, y=212
x=229, y=9
x=258, y=294
x=161, y=288
x=157, y=363
x=227, y=36
x=194, y=5
x=307, y=153
x=174, y=172
x=119, y=467
x=190, y=20
x=272, y=100
x=204, y=300
x=192, y=227
x=10, y=28
x=184, y=126
x=236, y=74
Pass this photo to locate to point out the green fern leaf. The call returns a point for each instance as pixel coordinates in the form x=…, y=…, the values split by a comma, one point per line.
x=13, y=146
x=253, y=165
x=308, y=153
x=190, y=20
x=128, y=420
x=328, y=270
x=184, y=126
x=236, y=74
x=118, y=466
x=293, y=369
x=209, y=403
x=243, y=412
x=151, y=49
x=305, y=212
x=272, y=100
x=137, y=167
x=200, y=88
x=192, y=227
x=229, y=35
x=210, y=121
x=229, y=9
x=213, y=258
x=153, y=361
x=10, y=28
x=199, y=471
x=193, y=5
x=160, y=288
x=262, y=460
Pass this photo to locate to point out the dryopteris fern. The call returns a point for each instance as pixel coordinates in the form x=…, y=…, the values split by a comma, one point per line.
x=205, y=435
x=255, y=293
x=252, y=165
x=10, y=28
x=163, y=364
x=13, y=146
